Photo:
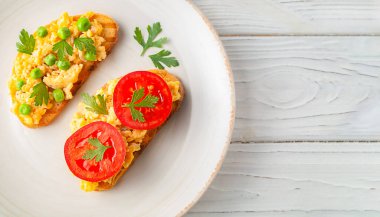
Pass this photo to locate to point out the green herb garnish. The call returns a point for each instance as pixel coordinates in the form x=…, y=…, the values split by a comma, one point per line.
x=163, y=57
x=85, y=43
x=153, y=31
x=41, y=94
x=62, y=48
x=26, y=44
x=97, y=153
x=148, y=102
x=93, y=106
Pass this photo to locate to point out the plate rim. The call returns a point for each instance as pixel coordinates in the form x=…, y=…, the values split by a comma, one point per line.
x=185, y=207
x=227, y=64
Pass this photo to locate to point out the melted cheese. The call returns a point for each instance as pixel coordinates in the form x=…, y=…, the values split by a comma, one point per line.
x=53, y=77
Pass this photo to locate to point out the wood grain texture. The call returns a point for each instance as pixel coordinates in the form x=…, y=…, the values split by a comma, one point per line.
x=306, y=88
x=293, y=17
x=318, y=82
x=295, y=179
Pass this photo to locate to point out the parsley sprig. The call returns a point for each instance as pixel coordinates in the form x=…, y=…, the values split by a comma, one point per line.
x=85, y=43
x=97, y=153
x=148, y=102
x=26, y=44
x=62, y=48
x=153, y=31
x=92, y=103
x=41, y=94
x=162, y=57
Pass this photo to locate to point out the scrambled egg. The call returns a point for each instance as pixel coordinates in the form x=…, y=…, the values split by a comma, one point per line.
x=132, y=138
x=53, y=77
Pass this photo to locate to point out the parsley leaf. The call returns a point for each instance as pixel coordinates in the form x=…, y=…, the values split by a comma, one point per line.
x=93, y=105
x=137, y=115
x=85, y=43
x=153, y=31
x=27, y=43
x=62, y=48
x=148, y=102
x=139, y=37
x=137, y=95
x=97, y=153
x=41, y=94
x=163, y=57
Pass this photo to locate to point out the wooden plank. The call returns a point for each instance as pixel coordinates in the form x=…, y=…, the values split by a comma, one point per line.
x=294, y=213
x=293, y=17
x=306, y=88
x=295, y=179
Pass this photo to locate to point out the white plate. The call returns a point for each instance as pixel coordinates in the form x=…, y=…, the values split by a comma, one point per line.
x=173, y=171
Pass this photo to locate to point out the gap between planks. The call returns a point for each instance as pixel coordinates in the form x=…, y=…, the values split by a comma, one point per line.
x=283, y=213
x=298, y=35
x=305, y=141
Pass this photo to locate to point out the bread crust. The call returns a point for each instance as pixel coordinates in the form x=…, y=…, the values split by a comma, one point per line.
x=110, y=34
x=148, y=136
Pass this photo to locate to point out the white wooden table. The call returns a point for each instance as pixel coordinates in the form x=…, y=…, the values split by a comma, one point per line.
x=307, y=133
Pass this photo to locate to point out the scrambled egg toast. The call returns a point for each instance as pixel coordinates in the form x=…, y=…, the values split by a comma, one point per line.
x=135, y=140
x=103, y=32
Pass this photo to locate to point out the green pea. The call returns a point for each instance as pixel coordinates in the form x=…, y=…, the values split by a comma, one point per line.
x=90, y=56
x=83, y=24
x=36, y=73
x=63, y=64
x=42, y=31
x=50, y=59
x=64, y=32
x=24, y=109
x=19, y=84
x=58, y=95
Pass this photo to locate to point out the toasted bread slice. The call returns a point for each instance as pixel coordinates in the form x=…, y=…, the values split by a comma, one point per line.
x=110, y=34
x=149, y=135
x=143, y=142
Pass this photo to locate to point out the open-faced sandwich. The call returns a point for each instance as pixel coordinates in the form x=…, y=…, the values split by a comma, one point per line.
x=55, y=61
x=114, y=126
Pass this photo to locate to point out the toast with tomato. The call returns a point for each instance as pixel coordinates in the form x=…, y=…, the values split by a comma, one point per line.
x=53, y=63
x=114, y=126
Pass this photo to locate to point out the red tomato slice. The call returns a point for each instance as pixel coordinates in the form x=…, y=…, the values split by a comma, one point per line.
x=90, y=170
x=152, y=84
